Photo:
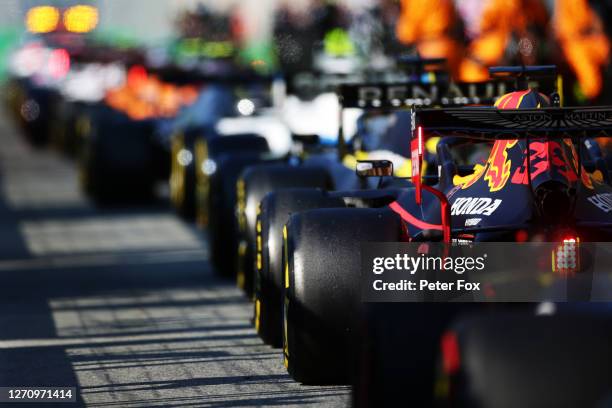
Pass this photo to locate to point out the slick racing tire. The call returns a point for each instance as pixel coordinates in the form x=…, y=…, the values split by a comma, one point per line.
x=115, y=159
x=276, y=208
x=183, y=176
x=396, y=359
x=222, y=222
x=36, y=112
x=253, y=185
x=208, y=151
x=322, y=288
x=70, y=124
x=522, y=360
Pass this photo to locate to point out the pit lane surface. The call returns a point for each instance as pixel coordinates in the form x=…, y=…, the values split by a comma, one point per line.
x=122, y=302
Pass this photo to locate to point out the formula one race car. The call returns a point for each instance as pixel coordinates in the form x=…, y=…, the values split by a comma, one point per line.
x=36, y=70
x=356, y=116
x=485, y=360
x=538, y=182
x=207, y=160
x=276, y=207
x=120, y=156
x=237, y=104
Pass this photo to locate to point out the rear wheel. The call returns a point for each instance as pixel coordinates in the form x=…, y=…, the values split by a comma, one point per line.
x=322, y=288
x=254, y=184
x=396, y=359
x=115, y=161
x=276, y=208
x=207, y=153
x=182, y=176
x=223, y=226
x=522, y=360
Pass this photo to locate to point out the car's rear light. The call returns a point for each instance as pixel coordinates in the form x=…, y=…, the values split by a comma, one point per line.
x=450, y=353
x=416, y=157
x=566, y=256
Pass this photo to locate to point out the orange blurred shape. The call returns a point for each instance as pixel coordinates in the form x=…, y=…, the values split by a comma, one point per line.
x=145, y=96
x=500, y=19
x=188, y=94
x=584, y=43
x=136, y=76
x=428, y=24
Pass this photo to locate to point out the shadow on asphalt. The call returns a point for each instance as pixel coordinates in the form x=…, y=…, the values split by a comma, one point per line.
x=121, y=302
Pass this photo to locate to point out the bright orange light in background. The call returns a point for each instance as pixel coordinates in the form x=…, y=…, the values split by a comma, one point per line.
x=582, y=37
x=42, y=19
x=80, y=19
x=145, y=96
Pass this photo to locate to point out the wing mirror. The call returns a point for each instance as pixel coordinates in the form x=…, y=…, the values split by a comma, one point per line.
x=374, y=168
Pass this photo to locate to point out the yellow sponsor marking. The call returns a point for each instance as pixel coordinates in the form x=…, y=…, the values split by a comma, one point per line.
x=285, y=260
x=202, y=183
x=431, y=145
x=177, y=172
x=240, y=279
x=285, y=333
x=257, y=314
x=546, y=279
x=241, y=204
x=240, y=276
x=442, y=387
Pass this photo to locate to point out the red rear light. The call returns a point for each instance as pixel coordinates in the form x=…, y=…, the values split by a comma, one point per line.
x=521, y=236
x=137, y=76
x=566, y=256
x=416, y=156
x=450, y=353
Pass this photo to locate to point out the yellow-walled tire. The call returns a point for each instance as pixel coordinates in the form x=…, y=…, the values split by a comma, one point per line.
x=183, y=176
x=253, y=185
x=177, y=172
x=322, y=288
x=202, y=192
x=276, y=208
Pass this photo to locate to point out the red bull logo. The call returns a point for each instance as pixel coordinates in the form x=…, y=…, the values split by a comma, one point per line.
x=556, y=158
x=551, y=156
x=497, y=168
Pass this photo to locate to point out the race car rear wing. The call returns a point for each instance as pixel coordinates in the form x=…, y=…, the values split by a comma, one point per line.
x=489, y=124
x=492, y=124
x=424, y=92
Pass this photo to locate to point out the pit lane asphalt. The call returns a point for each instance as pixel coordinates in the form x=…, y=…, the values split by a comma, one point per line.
x=122, y=302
